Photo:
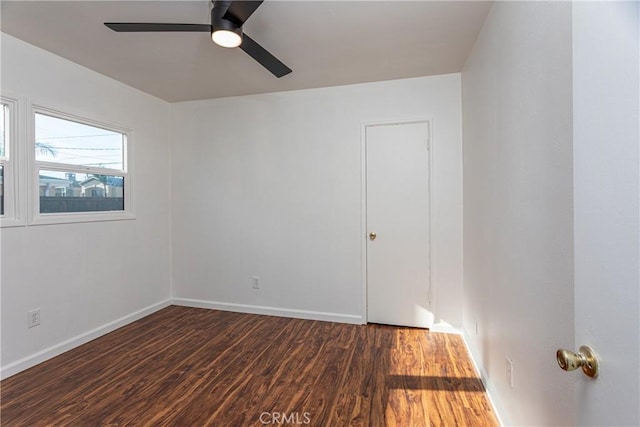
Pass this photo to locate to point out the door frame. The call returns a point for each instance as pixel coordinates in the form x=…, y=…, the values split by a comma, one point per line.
x=363, y=203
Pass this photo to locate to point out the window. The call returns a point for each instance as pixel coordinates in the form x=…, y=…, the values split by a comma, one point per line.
x=8, y=149
x=81, y=169
x=4, y=142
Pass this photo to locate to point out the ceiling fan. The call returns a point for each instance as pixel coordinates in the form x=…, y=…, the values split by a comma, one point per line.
x=227, y=19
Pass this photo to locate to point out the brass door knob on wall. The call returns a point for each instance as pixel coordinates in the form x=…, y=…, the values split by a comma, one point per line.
x=585, y=359
x=372, y=236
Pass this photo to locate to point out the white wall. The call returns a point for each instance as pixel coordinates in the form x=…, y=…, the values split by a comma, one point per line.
x=84, y=276
x=270, y=186
x=518, y=216
x=606, y=89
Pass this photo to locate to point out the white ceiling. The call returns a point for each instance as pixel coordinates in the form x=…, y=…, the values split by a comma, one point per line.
x=326, y=43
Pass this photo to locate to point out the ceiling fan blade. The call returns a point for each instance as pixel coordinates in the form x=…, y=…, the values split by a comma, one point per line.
x=140, y=27
x=261, y=55
x=239, y=11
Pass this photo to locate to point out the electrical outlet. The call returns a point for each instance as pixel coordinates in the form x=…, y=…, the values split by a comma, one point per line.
x=476, y=327
x=33, y=317
x=255, y=282
x=510, y=372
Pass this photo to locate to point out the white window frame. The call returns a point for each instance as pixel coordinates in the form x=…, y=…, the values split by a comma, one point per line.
x=12, y=216
x=38, y=218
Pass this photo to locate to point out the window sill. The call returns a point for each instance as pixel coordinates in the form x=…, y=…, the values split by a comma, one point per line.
x=72, y=217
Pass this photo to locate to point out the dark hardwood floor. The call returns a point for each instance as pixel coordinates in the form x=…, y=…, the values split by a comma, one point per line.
x=196, y=367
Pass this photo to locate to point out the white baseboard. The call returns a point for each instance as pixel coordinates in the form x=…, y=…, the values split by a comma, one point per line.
x=270, y=311
x=53, y=351
x=488, y=385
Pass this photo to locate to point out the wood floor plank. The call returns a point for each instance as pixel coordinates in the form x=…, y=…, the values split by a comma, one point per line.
x=195, y=367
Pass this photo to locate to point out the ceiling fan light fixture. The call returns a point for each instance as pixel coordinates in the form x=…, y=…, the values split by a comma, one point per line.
x=227, y=38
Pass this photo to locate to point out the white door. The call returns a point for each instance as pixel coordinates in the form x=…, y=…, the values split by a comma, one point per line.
x=606, y=85
x=397, y=222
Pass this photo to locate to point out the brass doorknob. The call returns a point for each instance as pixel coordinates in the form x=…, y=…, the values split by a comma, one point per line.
x=585, y=359
x=372, y=236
